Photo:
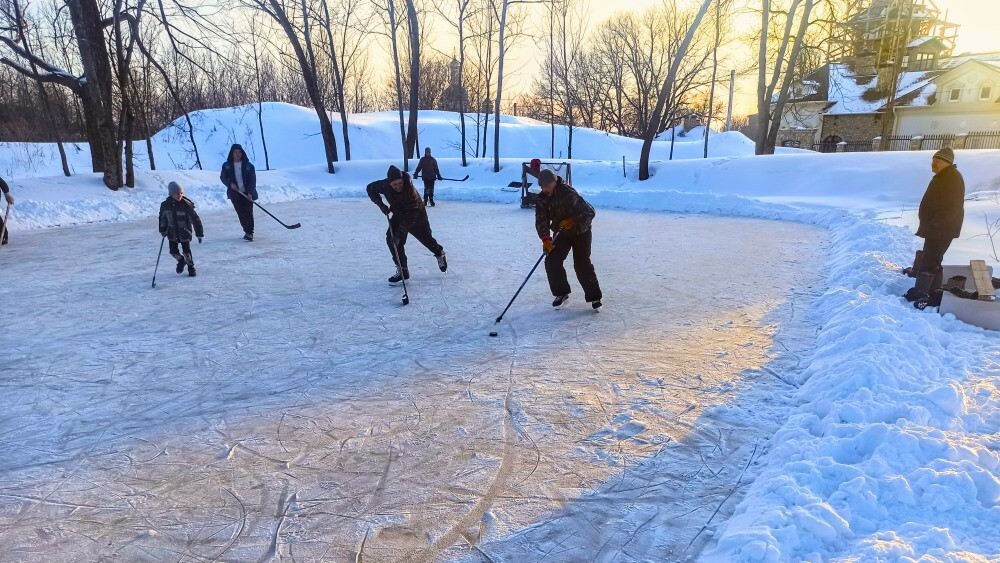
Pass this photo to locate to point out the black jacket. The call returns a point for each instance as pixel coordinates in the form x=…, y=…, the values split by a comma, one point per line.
x=564, y=203
x=179, y=221
x=4, y=187
x=429, y=166
x=406, y=205
x=942, y=210
x=228, y=175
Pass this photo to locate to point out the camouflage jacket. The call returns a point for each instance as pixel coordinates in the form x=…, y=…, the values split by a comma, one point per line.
x=564, y=203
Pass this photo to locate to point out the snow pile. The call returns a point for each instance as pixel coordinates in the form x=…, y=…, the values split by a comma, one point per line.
x=893, y=451
x=292, y=140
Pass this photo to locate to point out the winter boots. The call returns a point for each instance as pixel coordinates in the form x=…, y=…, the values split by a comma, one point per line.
x=248, y=237
x=181, y=262
x=401, y=274
x=185, y=261
x=442, y=262
x=190, y=265
x=921, y=293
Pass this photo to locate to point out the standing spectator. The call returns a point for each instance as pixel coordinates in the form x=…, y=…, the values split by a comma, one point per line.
x=429, y=166
x=942, y=212
x=240, y=178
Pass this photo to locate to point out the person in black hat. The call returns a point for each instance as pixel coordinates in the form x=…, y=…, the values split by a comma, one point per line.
x=240, y=178
x=409, y=217
x=429, y=166
x=942, y=212
x=560, y=208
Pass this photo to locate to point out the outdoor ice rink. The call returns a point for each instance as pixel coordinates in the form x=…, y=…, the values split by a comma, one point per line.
x=284, y=405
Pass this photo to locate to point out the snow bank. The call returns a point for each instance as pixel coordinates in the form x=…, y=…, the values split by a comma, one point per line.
x=292, y=138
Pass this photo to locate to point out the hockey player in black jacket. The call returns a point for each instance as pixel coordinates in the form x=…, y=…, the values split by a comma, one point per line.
x=408, y=217
x=179, y=222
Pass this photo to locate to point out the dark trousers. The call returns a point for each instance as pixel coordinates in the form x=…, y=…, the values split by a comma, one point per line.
x=6, y=234
x=580, y=244
x=421, y=230
x=428, y=188
x=934, y=251
x=244, y=210
x=176, y=247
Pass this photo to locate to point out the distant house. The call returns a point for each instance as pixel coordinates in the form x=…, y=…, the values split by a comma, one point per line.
x=964, y=98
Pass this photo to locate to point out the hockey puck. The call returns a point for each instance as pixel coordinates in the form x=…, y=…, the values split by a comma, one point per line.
x=493, y=333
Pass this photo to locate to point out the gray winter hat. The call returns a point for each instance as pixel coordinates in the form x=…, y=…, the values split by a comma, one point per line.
x=173, y=188
x=546, y=177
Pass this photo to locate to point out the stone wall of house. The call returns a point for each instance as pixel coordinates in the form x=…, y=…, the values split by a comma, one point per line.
x=805, y=138
x=855, y=127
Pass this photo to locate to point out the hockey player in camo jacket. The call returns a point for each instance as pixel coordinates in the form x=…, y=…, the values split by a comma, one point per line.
x=409, y=217
x=560, y=208
x=179, y=222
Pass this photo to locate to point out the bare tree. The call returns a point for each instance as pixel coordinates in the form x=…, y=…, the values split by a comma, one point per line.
x=654, y=124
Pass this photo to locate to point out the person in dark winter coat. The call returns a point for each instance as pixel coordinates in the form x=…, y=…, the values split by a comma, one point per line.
x=240, y=178
x=560, y=208
x=10, y=201
x=942, y=212
x=409, y=217
x=179, y=222
x=429, y=166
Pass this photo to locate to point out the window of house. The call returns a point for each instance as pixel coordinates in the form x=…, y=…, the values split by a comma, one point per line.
x=986, y=93
x=925, y=61
x=956, y=95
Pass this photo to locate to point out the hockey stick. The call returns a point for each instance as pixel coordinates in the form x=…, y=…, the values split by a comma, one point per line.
x=295, y=226
x=524, y=283
x=6, y=220
x=455, y=179
x=395, y=254
x=158, y=254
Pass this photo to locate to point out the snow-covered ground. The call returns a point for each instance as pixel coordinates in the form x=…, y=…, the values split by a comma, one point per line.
x=877, y=427
x=291, y=134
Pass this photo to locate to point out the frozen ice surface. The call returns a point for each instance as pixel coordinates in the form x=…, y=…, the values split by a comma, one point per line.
x=283, y=404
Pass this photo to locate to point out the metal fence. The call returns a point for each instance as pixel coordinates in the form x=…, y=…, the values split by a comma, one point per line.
x=983, y=140
x=896, y=143
x=935, y=142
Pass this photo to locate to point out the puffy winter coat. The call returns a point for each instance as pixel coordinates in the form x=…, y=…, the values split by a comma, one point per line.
x=942, y=210
x=179, y=221
x=428, y=166
x=406, y=206
x=564, y=203
x=228, y=175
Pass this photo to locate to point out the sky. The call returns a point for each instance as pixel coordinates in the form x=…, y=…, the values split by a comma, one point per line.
x=977, y=18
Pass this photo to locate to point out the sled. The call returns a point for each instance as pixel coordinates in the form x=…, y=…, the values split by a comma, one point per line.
x=982, y=312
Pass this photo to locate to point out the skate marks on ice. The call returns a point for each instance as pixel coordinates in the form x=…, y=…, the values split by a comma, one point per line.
x=283, y=406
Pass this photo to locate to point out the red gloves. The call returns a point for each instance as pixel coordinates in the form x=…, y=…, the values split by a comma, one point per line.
x=547, y=245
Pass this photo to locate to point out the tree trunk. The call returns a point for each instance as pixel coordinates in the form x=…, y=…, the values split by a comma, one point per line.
x=461, y=73
x=496, y=113
x=399, y=84
x=95, y=92
x=307, y=60
x=338, y=85
x=779, y=106
x=414, y=32
x=665, y=92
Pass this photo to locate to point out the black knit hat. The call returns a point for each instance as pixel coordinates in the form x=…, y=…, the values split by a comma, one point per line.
x=546, y=177
x=946, y=154
x=393, y=174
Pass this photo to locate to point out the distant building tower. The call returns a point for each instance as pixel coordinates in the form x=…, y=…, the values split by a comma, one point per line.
x=451, y=99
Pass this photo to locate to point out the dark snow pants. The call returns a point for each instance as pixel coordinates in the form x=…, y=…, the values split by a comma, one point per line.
x=6, y=234
x=176, y=247
x=580, y=244
x=421, y=230
x=934, y=251
x=244, y=210
x=428, y=189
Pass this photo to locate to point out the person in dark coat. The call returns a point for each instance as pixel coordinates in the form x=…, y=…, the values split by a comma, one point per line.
x=240, y=178
x=561, y=209
x=942, y=212
x=10, y=201
x=429, y=166
x=409, y=217
x=179, y=222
